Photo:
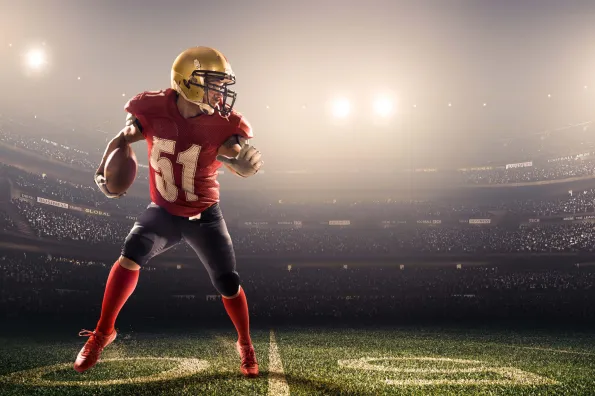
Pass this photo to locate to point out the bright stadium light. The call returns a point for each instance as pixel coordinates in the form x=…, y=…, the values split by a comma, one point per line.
x=341, y=108
x=383, y=106
x=35, y=59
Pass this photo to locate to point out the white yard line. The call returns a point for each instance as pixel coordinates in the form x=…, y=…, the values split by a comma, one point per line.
x=532, y=348
x=277, y=382
x=550, y=350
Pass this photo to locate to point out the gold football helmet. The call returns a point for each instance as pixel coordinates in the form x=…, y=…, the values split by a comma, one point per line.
x=193, y=74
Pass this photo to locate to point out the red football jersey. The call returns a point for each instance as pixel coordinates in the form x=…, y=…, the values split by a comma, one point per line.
x=182, y=152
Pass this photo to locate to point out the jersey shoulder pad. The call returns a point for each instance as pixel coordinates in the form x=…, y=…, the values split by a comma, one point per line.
x=147, y=102
x=243, y=127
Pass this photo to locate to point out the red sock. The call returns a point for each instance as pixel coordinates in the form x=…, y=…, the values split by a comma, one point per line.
x=120, y=285
x=237, y=309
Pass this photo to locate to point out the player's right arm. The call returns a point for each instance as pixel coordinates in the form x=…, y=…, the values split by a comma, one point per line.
x=129, y=134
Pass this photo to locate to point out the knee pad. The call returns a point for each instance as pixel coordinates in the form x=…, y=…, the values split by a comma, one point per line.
x=227, y=284
x=138, y=248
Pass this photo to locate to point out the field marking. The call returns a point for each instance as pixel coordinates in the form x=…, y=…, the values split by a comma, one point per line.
x=364, y=364
x=512, y=376
x=533, y=348
x=33, y=377
x=548, y=349
x=277, y=383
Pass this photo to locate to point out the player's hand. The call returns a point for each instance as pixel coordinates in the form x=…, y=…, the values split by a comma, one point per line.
x=100, y=181
x=247, y=163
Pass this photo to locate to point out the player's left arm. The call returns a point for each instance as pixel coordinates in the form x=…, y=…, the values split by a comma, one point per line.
x=230, y=149
x=232, y=146
x=240, y=157
x=237, y=154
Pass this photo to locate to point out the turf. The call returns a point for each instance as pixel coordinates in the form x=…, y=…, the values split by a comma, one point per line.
x=408, y=361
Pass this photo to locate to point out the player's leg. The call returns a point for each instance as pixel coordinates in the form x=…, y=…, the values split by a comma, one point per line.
x=211, y=241
x=120, y=285
x=153, y=233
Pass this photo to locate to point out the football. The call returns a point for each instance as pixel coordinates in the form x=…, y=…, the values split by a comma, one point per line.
x=120, y=169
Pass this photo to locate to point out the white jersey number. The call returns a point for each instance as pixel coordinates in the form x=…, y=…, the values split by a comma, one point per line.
x=164, y=170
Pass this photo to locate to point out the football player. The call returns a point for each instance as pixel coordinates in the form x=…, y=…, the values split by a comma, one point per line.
x=190, y=130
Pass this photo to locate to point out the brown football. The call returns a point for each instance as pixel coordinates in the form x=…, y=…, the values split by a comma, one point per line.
x=120, y=169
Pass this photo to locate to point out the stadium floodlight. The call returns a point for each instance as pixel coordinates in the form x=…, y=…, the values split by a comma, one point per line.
x=36, y=58
x=341, y=108
x=383, y=106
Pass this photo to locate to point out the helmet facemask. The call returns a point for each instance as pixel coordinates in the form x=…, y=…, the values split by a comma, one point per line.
x=203, y=81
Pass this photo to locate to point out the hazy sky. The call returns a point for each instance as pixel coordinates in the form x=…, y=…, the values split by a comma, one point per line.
x=509, y=54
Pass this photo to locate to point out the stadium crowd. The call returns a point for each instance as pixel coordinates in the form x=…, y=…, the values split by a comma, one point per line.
x=5, y=221
x=60, y=152
x=541, y=148
x=56, y=223
x=555, y=171
x=34, y=284
x=51, y=149
x=67, y=192
x=577, y=202
x=261, y=206
x=418, y=240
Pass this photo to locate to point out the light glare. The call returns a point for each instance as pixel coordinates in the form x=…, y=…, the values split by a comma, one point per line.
x=383, y=107
x=341, y=108
x=35, y=59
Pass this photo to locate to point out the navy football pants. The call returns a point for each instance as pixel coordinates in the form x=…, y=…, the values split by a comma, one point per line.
x=156, y=231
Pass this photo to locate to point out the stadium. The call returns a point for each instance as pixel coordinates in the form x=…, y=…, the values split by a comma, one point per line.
x=424, y=222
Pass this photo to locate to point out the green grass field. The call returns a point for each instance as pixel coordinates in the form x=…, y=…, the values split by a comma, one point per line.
x=309, y=361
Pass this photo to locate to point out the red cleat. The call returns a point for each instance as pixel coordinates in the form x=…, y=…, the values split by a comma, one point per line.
x=249, y=366
x=89, y=355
